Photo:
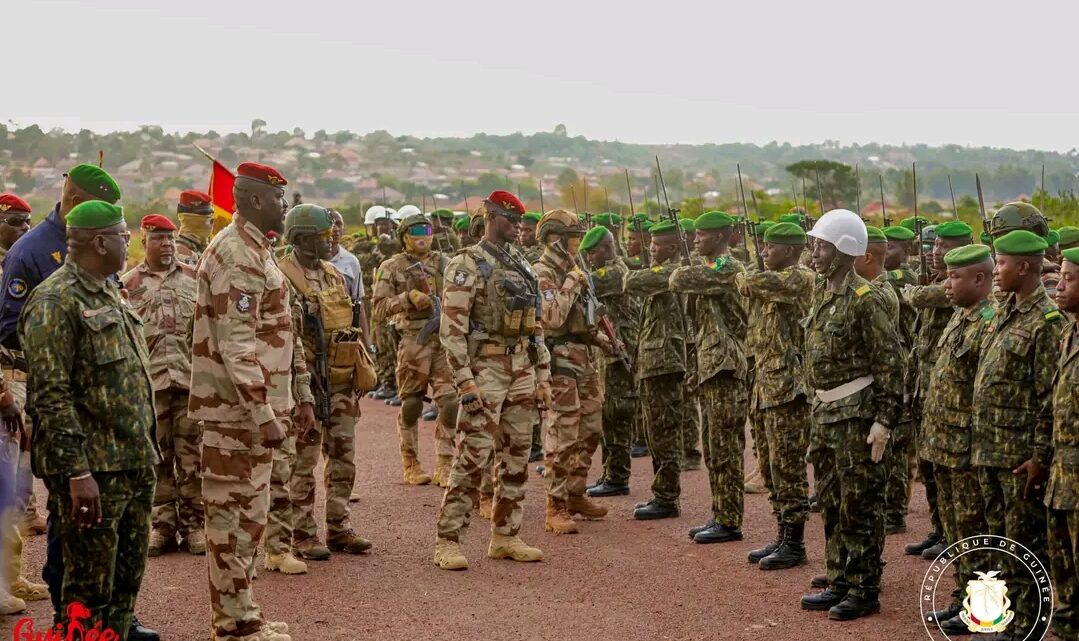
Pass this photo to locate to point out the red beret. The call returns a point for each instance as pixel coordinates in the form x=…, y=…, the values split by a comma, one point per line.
x=262, y=173
x=193, y=198
x=508, y=201
x=10, y=204
x=156, y=222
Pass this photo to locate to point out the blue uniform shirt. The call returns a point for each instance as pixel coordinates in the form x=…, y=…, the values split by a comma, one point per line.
x=32, y=259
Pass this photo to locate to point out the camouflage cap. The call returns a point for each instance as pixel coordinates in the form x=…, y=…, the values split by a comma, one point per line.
x=558, y=221
x=409, y=221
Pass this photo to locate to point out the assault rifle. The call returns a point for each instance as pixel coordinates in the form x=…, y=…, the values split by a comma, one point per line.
x=985, y=217
x=433, y=323
x=320, y=379
x=595, y=312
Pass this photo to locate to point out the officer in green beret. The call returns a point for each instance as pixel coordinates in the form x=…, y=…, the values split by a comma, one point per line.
x=1011, y=438
x=1062, y=493
x=945, y=438
x=777, y=298
x=445, y=240
x=531, y=249
x=94, y=437
x=1051, y=263
x=871, y=267
x=720, y=380
x=460, y=228
x=640, y=239
x=1068, y=237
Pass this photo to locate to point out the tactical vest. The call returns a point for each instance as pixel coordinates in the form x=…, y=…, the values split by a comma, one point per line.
x=411, y=318
x=511, y=302
x=334, y=308
x=575, y=324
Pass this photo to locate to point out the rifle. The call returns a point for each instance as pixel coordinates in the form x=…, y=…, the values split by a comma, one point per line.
x=541, y=198
x=607, y=199
x=858, y=197
x=745, y=215
x=587, y=216
x=745, y=207
x=595, y=312
x=955, y=210
x=672, y=214
x=985, y=217
x=320, y=379
x=645, y=258
x=434, y=322
x=923, y=277
x=820, y=192
x=756, y=238
x=883, y=208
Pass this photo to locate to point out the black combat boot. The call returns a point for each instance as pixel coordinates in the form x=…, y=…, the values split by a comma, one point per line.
x=606, y=488
x=694, y=531
x=791, y=551
x=718, y=533
x=822, y=601
x=139, y=632
x=654, y=510
x=637, y=451
x=954, y=627
x=755, y=556
x=854, y=607
x=916, y=549
x=931, y=553
x=947, y=613
x=820, y=581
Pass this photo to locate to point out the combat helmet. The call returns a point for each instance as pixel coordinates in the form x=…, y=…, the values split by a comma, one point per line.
x=306, y=219
x=1018, y=215
x=558, y=221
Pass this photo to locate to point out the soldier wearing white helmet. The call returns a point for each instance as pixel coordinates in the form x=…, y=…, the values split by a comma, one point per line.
x=384, y=337
x=853, y=364
x=405, y=212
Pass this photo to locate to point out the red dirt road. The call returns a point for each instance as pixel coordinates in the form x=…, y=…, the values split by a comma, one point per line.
x=618, y=579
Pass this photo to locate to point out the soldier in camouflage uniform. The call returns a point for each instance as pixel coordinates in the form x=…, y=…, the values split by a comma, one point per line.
x=529, y=244
x=945, y=437
x=1062, y=494
x=660, y=366
x=615, y=224
x=573, y=424
x=245, y=350
x=691, y=415
x=162, y=291
x=444, y=240
x=326, y=308
x=620, y=408
x=871, y=268
x=491, y=330
x=640, y=238
x=92, y=398
x=384, y=336
x=405, y=289
x=1011, y=438
x=780, y=296
x=196, y=213
x=720, y=376
x=853, y=364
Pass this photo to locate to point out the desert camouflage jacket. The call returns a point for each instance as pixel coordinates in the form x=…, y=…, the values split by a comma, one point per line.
x=89, y=379
x=399, y=275
x=165, y=301
x=719, y=316
x=662, y=345
x=189, y=249
x=1013, y=390
x=1063, y=490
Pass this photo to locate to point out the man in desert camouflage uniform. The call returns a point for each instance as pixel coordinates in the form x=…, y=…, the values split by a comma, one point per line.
x=853, y=364
x=491, y=331
x=573, y=424
x=660, y=369
x=162, y=291
x=720, y=376
x=384, y=336
x=1011, y=438
x=407, y=287
x=92, y=397
x=620, y=409
x=244, y=352
x=1062, y=494
x=780, y=297
x=196, y=213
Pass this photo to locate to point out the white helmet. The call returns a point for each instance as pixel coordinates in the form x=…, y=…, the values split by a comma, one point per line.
x=375, y=212
x=391, y=213
x=844, y=229
x=406, y=211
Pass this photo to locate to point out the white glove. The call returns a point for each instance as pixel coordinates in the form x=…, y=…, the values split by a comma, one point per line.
x=878, y=440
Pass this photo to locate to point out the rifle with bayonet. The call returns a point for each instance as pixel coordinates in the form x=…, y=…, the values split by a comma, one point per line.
x=434, y=322
x=644, y=256
x=883, y=208
x=672, y=215
x=985, y=217
x=745, y=208
x=923, y=277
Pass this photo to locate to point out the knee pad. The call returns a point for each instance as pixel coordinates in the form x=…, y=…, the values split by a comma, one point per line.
x=447, y=410
x=411, y=408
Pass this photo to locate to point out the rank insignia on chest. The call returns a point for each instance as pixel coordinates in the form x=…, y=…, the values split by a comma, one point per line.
x=459, y=277
x=548, y=294
x=56, y=257
x=17, y=288
x=243, y=303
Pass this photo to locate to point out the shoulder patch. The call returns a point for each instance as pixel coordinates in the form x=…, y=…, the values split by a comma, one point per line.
x=17, y=288
x=719, y=263
x=988, y=312
x=863, y=290
x=243, y=303
x=897, y=274
x=460, y=277
x=1052, y=315
x=548, y=294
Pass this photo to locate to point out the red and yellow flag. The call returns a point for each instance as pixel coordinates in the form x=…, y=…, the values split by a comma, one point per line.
x=221, y=181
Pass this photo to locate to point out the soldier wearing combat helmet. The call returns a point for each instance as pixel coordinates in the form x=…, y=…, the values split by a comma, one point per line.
x=1018, y=215
x=408, y=288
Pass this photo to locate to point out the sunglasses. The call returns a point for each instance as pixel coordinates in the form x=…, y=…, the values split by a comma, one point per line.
x=512, y=217
x=420, y=230
x=16, y=221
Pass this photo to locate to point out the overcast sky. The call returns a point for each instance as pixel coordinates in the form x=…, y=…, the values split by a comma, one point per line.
x=940, y=71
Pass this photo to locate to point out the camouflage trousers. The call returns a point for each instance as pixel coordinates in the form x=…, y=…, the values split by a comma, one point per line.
x=1064, y=562
x=574, y=422
x=723, y=406
x=235, y=493
x=178, y=500
x=691, y=427
x=962, y=516
x=385, y=339
x=849, y=487
x=507, y=384
x=104, y=565
x=785, y=431
x=419, y=368
x=619, y=423
x=335, y=438
x=280, y=517
x=1008, y=514
x=903, y=459
x=662, y=406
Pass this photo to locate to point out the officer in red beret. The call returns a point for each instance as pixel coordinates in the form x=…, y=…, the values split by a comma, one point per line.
x=162, y=290
x=14, y=222
x=196, y=213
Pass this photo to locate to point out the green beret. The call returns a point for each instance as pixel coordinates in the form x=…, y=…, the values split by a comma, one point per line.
x=532, y=217
x=461, y=224
x=662, y=227
x=1053, y=237
x=647, y=225
x=1068, y=235
x=1020, y=242
x=875, y=234
x=966, y=255
x=954, y=229
x=765, y=225
x=444, y=214
x=912, y=225
x=1071, y=254
x=896, y=232
x=986, y=238
x=714, y=220
x=687, y=224
x=593, y=237
x=94, y=214
x=791, y=218
x=785, y=233
x=607, y=218
x=95, y=181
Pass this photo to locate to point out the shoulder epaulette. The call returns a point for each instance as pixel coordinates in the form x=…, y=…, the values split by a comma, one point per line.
x=658, y=269
x=988, y=312
x=863, y=290
x=1052, y=315
x=897, y=274
x=602, y=272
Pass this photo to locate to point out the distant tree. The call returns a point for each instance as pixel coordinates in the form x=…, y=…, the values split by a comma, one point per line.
x=297, y=132
x=567, y=177
x=24, y=182
x=560, y=131
x=257, y=127
x=837, y=182
x=227, y=156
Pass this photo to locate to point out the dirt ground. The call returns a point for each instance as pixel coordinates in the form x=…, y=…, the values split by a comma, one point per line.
x=618, y=579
